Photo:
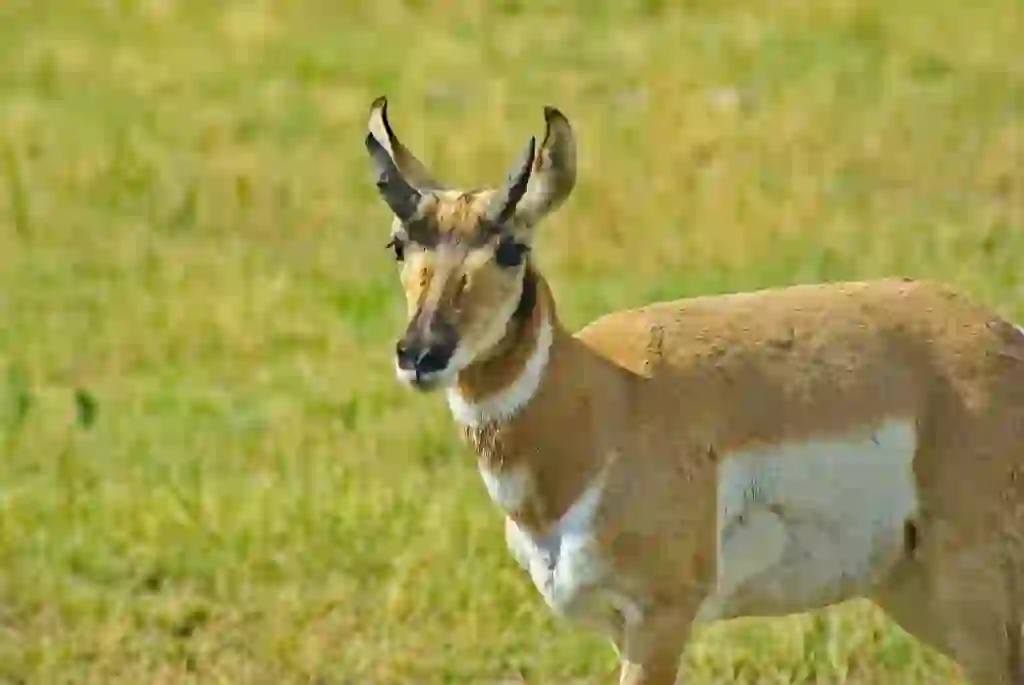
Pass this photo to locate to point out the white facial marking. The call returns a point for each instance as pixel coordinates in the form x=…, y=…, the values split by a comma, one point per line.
x=423, y=380
x=464, y=356
x=407, y=376
x=505, y=403
x=804, y=523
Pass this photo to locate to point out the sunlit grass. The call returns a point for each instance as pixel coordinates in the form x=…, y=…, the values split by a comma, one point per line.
x=208, y=472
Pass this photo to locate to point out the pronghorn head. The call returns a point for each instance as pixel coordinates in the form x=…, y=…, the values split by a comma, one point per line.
x=463, y=254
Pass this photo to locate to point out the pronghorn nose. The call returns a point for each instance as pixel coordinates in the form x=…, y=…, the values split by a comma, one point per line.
x=406, y=355
x=423, y=359
x=433, y=359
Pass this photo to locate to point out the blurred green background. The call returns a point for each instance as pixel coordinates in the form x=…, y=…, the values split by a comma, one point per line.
x=208, y=472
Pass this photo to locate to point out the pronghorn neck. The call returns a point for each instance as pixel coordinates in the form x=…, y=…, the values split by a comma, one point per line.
x=496, y=389
x=529, y=411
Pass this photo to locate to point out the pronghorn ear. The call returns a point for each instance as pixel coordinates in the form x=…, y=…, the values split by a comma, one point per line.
x=414, y=171
x=554, y=172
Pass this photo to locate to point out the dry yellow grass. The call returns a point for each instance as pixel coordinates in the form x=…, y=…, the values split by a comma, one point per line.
x=208, y=474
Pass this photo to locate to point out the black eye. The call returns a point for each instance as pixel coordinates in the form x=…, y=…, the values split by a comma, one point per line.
x=510, y=253
x=399, y=248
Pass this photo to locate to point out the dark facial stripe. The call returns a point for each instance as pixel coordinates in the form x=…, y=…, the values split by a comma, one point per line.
x=528, y=300
x=422, y=232
x=425, y=233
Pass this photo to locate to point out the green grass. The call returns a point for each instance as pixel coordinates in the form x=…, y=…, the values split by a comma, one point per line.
x=208, y=473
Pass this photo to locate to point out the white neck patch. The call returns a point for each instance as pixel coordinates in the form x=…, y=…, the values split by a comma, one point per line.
x=504, y=404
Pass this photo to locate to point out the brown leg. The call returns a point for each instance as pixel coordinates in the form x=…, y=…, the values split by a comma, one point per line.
x=980, y=645
x=908, y=599
x=1015, y=638
x=1015, y=625
x=653, y=647
x=655, y=671
x=967, y=627
x=972, y=601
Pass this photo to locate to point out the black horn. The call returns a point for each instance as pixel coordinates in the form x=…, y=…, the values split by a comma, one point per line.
x=503, y=204
x=402, y=198
x=413, y=170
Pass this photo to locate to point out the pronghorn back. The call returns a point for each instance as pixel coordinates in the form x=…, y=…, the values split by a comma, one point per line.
x=809, y=359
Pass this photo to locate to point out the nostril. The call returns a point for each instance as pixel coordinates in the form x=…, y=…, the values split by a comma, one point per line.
x=406, y=360
x=432, y=360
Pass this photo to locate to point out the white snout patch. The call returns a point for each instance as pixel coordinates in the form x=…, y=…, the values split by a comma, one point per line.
x=426, y=381
x=407, y=376
x=804, y=523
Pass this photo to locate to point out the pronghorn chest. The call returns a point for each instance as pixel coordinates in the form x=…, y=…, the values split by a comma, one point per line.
x=811, y=523
x=565, y=562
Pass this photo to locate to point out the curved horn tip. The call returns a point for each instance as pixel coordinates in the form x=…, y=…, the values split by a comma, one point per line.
x=378, y=121
x=551, y=113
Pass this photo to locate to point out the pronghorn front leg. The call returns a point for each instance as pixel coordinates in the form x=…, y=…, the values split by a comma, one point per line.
x=653, y=647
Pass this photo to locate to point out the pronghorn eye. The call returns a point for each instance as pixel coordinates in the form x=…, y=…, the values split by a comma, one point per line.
x=399, y=248
x=510, y=253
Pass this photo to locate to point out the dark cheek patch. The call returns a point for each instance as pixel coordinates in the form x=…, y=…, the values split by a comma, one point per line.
x=528, y=300
x=509, y=253
x=424, y=232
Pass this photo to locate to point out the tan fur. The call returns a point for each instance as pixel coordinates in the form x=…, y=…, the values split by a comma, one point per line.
x=456, y=214
x=653, y=398
x=662, y=390
x=457, y=278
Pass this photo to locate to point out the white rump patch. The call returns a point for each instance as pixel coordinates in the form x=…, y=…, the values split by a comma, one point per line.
x=504, y=404
x=806, y=523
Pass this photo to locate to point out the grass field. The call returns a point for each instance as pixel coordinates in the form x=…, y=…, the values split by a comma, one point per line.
x=208, y=473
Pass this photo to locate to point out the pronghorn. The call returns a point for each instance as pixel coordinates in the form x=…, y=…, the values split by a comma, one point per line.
x=749, y=454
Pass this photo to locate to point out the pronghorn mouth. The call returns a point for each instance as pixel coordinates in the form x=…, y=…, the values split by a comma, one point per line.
x=418, y=380
x=426, y=381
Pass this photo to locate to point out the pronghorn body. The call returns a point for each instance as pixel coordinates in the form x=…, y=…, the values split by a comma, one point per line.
x=737, y=455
